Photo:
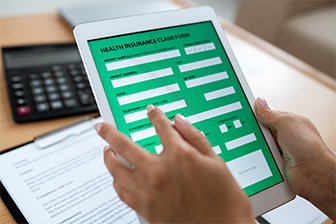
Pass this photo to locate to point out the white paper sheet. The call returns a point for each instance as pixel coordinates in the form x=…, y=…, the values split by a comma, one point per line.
x=298, y=211
x=66, y=183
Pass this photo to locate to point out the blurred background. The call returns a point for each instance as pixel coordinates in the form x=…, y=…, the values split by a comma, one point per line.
x=305, y=29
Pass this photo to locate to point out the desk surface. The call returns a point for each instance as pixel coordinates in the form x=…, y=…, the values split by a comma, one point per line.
x=286, y=82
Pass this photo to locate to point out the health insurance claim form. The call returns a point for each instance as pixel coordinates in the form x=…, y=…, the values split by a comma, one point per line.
x=184, y=69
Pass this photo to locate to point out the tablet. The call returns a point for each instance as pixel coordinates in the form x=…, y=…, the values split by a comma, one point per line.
x=181, y=62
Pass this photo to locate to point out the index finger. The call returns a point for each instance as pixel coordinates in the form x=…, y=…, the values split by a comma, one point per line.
x=123, y=145
x=164, y=127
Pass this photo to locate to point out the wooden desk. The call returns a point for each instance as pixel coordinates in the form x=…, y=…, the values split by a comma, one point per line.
x=286, y=82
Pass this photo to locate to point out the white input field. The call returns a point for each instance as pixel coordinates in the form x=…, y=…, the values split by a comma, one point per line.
x=159, y=149
x=240, y=141
x=206, y=79
x=149, y=132
x=165, y=108
x=142, y=60
x=200, y=48
x=217, y=150
x=146, y=133
x=223, y=128
x=148, y=94
x=200, y=64
x=210, y=46
x=249, y=169
x=142, y=77
x=190, y=50
x=237, y=123
x=219, y=93
x=214, y=112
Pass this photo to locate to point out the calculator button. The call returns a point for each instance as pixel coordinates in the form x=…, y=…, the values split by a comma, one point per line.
x=84, y=98
x=74, y=72
x=56, y=68
x=71, y=66
x=61, y=80
x=77, y=78
x=16, y=79
x=59, y=74
x=35, y=83
x=19, y=93
x=46, y=75
x=64, y=87
x=70, y=103
x=55, y=105
x=17, y=85
x=37, y=90
x=21, y=101
x=51, y=89
x=33, y=76
x=42, y=107
x=23, y=110
x=49, y=81
x=80, y=85
x=54, y=96
x=40, y=98
x=67, y=94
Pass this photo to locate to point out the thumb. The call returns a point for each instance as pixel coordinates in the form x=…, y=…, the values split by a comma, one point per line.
x=268, y=117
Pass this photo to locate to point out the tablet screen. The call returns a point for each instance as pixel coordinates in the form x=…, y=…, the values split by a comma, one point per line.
x=184, y=69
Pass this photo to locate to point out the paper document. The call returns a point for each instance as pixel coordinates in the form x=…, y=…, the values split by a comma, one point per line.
x=298, y=211
x=64, y=183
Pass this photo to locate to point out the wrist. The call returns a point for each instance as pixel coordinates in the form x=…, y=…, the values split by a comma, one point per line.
x=321, y=185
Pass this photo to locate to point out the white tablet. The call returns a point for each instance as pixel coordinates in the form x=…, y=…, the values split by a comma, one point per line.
x=182, y=62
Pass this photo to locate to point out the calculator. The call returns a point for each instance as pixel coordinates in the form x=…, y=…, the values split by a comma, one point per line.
x=46, y=81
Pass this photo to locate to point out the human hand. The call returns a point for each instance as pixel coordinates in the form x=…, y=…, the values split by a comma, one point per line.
x=186, y=183
x=309, y=164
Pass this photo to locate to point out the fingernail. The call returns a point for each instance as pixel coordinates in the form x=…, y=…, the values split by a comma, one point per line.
x=98, y=127
x=181, y=119
x=106, y=148
x=150, y=107
x=262, y=102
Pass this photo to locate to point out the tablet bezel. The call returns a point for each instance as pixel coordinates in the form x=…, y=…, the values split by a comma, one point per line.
x=261, y=202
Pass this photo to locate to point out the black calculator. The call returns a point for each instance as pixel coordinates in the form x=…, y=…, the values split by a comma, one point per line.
x=46, y=81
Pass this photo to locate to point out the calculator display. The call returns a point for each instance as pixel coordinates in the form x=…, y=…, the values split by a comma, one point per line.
x=28, y=59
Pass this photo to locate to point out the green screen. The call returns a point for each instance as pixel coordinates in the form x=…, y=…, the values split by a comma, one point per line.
x=184, y=69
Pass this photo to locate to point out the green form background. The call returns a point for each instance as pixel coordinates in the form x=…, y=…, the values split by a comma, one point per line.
x=194, y=97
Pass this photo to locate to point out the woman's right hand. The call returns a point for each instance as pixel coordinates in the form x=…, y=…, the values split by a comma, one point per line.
x=309, y=164
x=186, y=183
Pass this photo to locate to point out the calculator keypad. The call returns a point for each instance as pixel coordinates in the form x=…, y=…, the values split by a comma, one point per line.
x=55, y=91
x=56, y=87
